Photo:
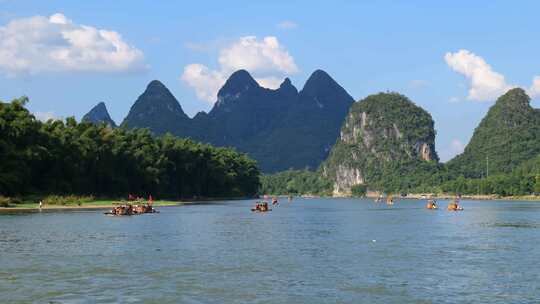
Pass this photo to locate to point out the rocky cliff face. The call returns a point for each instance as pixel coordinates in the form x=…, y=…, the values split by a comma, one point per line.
x=507, y=136
x=98, y=115
x=382, y=134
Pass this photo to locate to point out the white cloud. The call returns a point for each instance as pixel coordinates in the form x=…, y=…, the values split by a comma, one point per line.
x=457, y=146
x=418, y=83
x=454, y=99
x=485, y=84
x=56, y=44
x=287, y=25
x=205, y=81
x=534, y=90
x=269, y=82
x=45, y=116
x=267, y=60
x=257, y=56
x=454, y=148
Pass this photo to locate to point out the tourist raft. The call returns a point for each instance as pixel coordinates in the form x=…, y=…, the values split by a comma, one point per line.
x=454, y=206
x=129, y=209
x=133, y=209
x=432, y=205
x=261, y=207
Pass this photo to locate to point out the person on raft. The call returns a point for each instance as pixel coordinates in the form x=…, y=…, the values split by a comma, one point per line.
x=274, y=201
x=431, y=204
x=454, y=206
x=260, y=206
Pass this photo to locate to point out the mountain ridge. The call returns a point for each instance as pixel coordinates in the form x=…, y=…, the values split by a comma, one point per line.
x=281, y=128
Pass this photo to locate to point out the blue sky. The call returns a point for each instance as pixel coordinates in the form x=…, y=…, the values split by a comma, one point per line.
x=452, y=59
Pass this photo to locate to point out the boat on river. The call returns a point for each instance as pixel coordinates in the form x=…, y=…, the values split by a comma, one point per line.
x=261, y=207
x=129, y=209
x=454, y=206
x=431, y=204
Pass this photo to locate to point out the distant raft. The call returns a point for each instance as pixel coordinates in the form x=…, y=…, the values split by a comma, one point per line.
x=454, y=206
x=432, y=205
x=261, y=207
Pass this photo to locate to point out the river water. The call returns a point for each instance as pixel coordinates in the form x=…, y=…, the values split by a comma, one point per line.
x=307, y=251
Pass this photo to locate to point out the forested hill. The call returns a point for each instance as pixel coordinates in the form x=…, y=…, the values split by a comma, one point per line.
x=386, y=142
x=505, y=138
x=281, y=128
x=66, y=157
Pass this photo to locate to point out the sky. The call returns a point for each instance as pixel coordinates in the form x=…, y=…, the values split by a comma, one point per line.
x=452, y=59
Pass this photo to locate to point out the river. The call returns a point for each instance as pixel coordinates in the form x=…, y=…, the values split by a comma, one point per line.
x=307, y=251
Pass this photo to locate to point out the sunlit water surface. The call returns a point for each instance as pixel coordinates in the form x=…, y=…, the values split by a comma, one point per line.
x=307, y=251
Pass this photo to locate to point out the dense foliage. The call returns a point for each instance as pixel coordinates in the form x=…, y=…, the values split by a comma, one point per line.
x=296, y=182
x=506, y=137
x=359, y=190
x=66, y=157
x=384, y=138
x=381, y=136
x=523, y=180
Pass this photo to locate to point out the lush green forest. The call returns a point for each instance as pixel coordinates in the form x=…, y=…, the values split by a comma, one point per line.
x=66, y=157
x=524, y=180
x=383, y=135
x=296, y=182
x=506, y=137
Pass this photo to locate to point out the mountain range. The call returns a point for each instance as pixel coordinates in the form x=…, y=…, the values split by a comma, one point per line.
x=281, y=129
x=384, y=140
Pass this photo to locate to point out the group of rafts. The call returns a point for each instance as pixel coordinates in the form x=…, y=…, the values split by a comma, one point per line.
x=452, y=206
x=431, y=204
x=136, y=208
x=263, y=206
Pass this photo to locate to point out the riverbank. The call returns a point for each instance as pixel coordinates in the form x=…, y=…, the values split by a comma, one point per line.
x=33, y=206
x=97, y=204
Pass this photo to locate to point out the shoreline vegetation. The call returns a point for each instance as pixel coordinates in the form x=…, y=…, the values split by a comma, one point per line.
x=32, y=205
x=97, y=204
x=63, y=162
x=416, y=196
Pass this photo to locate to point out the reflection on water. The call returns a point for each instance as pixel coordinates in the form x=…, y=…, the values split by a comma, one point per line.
x=307, y=251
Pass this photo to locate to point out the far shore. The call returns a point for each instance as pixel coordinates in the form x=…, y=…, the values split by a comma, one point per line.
x=425, y=196
x=485, y=197
x=445, y=196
